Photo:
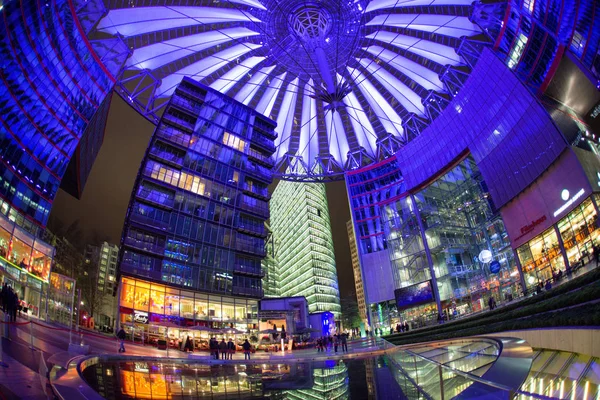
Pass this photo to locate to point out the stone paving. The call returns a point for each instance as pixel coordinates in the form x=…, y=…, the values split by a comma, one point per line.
x=20, y=379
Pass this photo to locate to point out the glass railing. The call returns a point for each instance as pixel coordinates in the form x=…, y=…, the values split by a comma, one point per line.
x=256, y=190
x=258, y=156
x=455, y=369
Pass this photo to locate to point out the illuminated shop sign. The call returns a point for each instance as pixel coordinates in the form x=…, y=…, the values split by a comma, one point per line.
x=140, y=317
x=569, y=201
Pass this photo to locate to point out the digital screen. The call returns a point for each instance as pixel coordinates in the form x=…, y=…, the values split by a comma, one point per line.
x=414, y=295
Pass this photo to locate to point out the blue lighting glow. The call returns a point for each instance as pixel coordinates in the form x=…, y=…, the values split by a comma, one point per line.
x=336, y=78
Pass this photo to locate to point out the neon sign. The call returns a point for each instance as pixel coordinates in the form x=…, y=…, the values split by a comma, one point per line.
x=569, y=202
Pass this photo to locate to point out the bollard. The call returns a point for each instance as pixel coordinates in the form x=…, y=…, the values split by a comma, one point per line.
x=31, y=335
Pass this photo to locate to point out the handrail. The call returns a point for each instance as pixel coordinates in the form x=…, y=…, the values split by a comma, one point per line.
x=471, y=377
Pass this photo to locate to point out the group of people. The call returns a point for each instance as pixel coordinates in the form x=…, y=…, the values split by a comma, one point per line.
x=325, y=343
x=10, y=302
x=227, y=349
x=401, y=327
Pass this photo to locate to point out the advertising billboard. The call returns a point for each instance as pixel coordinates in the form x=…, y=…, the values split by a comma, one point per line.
x=414, y=295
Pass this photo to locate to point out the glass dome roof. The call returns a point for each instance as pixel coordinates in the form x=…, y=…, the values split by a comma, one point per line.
x=348, y=82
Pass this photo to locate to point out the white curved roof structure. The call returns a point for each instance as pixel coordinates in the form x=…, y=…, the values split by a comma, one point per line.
x=347, y=82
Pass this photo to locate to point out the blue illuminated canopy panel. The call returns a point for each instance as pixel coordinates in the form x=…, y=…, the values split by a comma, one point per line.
x=348, y=82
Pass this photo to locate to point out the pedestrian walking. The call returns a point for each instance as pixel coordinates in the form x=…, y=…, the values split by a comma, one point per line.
x=247, y=347
x=230, y=349
x=335, y=342
x=121, y=335
x=189, y=345
x=223, y=349
x=344, y=343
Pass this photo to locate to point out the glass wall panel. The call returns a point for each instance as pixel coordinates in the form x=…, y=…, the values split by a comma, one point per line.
x=540, y=256
x=127, y=292
x=157, y=299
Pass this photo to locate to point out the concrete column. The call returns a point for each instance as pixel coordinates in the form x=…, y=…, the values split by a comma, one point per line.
x=436, y=292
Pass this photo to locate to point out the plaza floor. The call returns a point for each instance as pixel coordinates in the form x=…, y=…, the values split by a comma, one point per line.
x=30, y=346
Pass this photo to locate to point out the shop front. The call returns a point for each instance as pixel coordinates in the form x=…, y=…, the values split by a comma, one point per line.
x=25, y=263
x=60, y=298
x=553, y=225
x=151, y=312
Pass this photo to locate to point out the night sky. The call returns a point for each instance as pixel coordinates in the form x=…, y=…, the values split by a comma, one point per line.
x=106, y=195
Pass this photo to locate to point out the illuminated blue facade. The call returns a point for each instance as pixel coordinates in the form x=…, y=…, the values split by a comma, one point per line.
x=426, y=216
x=51, y=84
x=196, y=218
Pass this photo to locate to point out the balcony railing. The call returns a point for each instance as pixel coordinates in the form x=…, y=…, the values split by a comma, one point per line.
x=179, y=122
x=142, y=219
x=248, y=248
x=263, y=142
x=254, y=229
x=168, y=157
x=262, y=193
x=248, y=292
x=154, y=198
x=137, y=244
x=245, y=270
x=267, y=161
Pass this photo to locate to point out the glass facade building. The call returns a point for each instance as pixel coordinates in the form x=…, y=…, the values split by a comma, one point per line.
x=300, y=223
x=358, y=283
x=194, y=235
x=51, y=85
x=270, y=265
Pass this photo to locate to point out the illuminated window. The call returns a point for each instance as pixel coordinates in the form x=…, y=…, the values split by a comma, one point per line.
x=517, y=51
x=234, y=142
x=529, y=4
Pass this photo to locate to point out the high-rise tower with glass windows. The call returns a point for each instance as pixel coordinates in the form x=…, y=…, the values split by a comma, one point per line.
x=194, y=234
x=358, y=282
x=300, y=222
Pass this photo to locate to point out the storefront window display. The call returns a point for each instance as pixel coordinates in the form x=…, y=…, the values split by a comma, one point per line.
x=60, y=298
x=540, y=256
x=579, y=232
x=148, y=309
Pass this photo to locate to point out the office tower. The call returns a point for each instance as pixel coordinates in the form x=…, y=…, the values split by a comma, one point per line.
x=99, y=290
x=300, y=222
x=358, y=283
x=194, y=236
x=270, y=265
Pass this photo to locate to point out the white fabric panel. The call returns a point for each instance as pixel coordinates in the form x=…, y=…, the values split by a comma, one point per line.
x=365, y=134
x=158, y=54
x=226, y=82
x=386, y=114
x=251, y=3
x=285, y=119
x=336, y=135
x=443, y=24
x=204, y=67
x=267, y=101
x=409, y=99
x=138, y=20
x=308, y=146
x=380, y=4
x=434, y=51
x=247, y=92
x=423, y=76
